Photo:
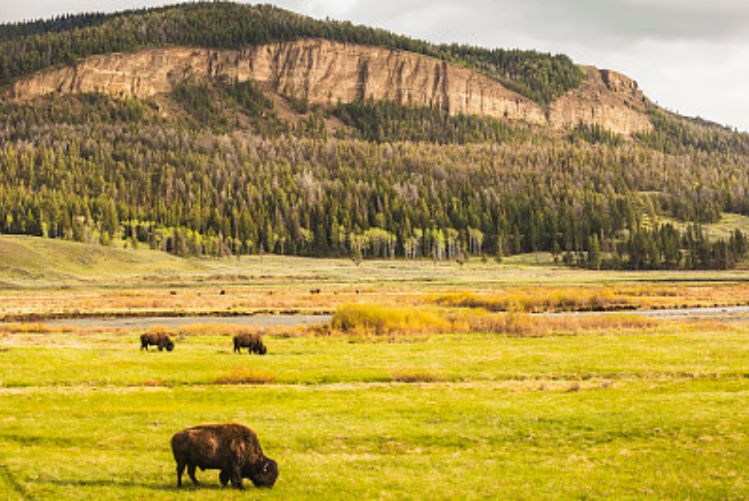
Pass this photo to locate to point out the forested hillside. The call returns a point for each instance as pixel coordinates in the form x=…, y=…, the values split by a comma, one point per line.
x=232, y=170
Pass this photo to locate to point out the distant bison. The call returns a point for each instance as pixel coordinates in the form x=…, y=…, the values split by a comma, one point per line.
x=160, y=340
x=253, y=342
x=232, y=448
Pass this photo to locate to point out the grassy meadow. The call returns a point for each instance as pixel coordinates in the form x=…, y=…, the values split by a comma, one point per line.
x=430, y=382
x=659, y=412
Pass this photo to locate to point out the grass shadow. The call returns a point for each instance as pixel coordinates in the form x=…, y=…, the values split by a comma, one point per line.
x=134, y=484
x=12, y=482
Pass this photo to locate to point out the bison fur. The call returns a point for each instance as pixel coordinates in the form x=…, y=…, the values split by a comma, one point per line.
x=252, y=341
x=163, y=341
x=231, y=448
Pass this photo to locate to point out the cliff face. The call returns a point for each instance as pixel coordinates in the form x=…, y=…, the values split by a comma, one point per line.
x=325, y=73
x=606, y=98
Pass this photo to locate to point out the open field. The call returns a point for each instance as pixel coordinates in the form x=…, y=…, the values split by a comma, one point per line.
x=46, y=279
x=432, y=381
x=658, y=412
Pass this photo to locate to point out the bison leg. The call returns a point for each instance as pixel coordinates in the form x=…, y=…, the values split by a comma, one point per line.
x=224, y=477
x=161, y=348
x=236, y=477
x=180, y=471
x=191, y=472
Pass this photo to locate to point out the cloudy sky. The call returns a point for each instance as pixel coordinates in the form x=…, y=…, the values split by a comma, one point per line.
x=691, y=56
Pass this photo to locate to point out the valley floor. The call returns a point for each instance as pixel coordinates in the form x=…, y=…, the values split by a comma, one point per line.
x=551, y=409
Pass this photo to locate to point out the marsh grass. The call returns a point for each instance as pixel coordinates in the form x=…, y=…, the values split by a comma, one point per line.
x=525, y=325
x=552, y=300
x=378, y=320
x=34, y=328
x=367, y=320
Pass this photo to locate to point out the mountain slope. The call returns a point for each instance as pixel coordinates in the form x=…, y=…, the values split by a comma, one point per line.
x=223, y=129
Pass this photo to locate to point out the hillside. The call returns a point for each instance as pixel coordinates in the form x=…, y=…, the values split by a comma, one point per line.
x=29, y=261
x=217, y=128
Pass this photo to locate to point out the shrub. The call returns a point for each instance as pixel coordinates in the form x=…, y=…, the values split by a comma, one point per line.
x=378, y=320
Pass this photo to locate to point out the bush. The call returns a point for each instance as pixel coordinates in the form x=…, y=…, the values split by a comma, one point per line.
x=377, y=320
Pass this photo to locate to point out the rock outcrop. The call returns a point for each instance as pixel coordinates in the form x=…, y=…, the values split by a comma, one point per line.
x=606, y=98
x=325, y=73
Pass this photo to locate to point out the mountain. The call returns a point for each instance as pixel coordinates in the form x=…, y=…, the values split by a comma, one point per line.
x=218, y=128
x=321, y=62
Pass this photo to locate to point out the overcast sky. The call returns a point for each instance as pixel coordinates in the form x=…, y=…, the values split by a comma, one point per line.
x=690, y=56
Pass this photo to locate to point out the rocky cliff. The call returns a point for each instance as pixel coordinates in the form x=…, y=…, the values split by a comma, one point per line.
x=325, y=73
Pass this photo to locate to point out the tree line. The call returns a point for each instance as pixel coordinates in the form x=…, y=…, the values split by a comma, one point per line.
x=97, y=169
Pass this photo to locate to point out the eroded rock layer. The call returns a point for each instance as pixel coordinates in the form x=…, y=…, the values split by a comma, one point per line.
x=325, y=73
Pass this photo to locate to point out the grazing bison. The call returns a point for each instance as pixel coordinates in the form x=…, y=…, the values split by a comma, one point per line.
x=160, y=340
x=232, y=448
x=253, y=342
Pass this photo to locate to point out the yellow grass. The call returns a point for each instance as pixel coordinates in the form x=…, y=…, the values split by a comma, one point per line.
x=159, y=329
x=245, y=375
x=33, y=328
x=571, y=299
x=416, y=376
x=379, y=320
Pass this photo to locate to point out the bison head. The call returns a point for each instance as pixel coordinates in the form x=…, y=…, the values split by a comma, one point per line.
x=258, y=347
x=263, y=473
x=169, y=346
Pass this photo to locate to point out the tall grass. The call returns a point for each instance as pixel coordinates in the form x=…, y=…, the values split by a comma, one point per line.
x=377, y=320
x=522, y=324
x=540, y=300
x=34, y=328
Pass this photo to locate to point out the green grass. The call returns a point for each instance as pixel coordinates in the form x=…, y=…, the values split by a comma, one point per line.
x=722, y=229
x=38, y=263
x=31, y=261
x=659, y=413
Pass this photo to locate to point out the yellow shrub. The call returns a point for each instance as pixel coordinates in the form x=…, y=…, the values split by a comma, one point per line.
x=378, y=320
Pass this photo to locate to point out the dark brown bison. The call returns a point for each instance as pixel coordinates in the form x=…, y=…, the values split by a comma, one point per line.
x=253, y=342
x=232, y=448
x=160, y=340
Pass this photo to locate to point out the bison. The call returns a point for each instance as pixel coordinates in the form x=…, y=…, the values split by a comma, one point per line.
x=160, y=340
x=253, y=342
x=232, y=448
